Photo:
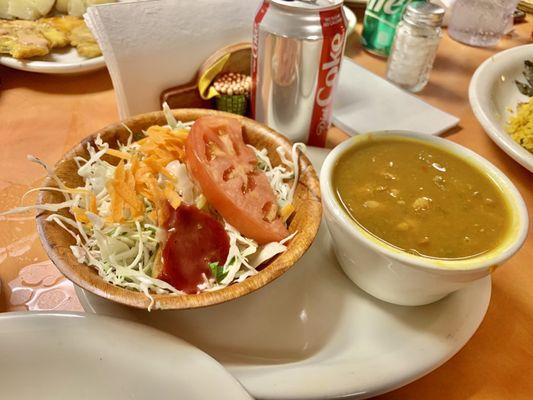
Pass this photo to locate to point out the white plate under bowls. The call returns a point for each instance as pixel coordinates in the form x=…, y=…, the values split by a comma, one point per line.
x=312, y=334
x=493, y=93
x=59, y=61
x=78, y=356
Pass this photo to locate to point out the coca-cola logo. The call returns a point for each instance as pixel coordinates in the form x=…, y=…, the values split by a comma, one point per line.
x=334, y=31
x=387, y=6
x=324, y=94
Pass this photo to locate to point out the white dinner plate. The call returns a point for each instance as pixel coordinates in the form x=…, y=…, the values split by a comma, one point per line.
x=493, y=94
x=312, y=334
x=59, y=61
x=80, y=356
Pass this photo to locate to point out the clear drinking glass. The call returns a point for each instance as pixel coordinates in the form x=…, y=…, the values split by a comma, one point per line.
x=480, y=22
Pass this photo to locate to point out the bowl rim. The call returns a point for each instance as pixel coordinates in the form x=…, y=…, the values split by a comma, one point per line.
x=87, y=277
x=478, y=97
x=467, y=265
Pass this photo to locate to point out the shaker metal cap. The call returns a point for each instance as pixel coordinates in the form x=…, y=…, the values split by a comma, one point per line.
x=422, y=13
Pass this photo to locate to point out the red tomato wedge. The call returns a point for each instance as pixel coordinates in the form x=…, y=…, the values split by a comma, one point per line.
x=195, y=240
x=226, y=170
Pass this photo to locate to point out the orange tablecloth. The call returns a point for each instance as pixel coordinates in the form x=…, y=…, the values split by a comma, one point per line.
x=46, y=115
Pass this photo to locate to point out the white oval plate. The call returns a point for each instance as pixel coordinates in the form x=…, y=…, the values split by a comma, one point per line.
x=59, y=61
x=312, y=334
x=79, y=356
x=492, y=93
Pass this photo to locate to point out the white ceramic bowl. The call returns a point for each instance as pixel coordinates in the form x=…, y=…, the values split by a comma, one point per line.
x=493, y=94
x=399, y=277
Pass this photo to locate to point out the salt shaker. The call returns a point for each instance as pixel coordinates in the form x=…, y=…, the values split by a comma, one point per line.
x=415, y=45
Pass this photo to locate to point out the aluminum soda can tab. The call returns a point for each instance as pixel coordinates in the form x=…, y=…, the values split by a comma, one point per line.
x=297, y=51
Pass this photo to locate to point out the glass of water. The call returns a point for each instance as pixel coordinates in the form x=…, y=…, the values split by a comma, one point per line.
x=480, y=22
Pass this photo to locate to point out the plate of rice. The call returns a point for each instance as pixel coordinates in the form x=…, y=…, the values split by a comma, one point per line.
x=501, y=96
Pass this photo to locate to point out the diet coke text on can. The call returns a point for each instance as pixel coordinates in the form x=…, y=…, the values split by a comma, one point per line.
x=297, y=51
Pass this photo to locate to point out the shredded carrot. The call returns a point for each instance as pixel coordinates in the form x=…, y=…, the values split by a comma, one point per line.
x=116, y=204
x=119, y=171
x=160, y=201
x=80, y=214
x=92, y=203
x=170, y=193
x=128, y=194
x=286, y=212
x=157, y=166
x=160, y=146
x=134, y=166
x=119, y=154
x=181, y=133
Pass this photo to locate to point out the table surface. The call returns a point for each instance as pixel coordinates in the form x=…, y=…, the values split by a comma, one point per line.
x=46, y=115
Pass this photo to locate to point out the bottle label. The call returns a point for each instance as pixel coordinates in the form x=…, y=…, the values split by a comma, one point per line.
x=389, y=7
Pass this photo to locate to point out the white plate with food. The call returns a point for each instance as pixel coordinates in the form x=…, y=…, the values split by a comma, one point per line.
x=66, y=61
x=495, y=96
x=312, y=334
x=48, y=36
x=78, y=356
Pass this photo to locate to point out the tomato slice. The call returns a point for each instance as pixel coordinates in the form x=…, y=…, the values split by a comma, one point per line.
x=195, y=240
x=226, y=170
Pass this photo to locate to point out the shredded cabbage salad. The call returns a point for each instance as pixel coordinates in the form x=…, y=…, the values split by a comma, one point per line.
x=124, y=253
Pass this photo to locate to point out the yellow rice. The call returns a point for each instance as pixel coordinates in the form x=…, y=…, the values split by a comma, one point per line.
x=520, y=125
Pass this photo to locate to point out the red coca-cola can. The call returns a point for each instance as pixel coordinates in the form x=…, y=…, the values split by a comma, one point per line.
x=296, y=57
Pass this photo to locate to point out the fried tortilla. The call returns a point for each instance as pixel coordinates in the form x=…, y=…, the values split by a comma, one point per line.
x=85, y=43
x=27, y=39
x=21, y=40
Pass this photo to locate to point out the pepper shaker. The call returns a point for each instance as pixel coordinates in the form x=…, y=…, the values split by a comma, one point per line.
x=415, y=46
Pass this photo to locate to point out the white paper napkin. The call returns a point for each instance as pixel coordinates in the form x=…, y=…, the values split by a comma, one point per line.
x=150, y=46
x=367, y=103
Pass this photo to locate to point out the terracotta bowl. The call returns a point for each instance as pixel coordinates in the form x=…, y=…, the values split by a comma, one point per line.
x=305, y=220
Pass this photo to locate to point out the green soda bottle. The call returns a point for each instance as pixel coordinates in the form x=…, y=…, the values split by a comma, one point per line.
x=379, y=25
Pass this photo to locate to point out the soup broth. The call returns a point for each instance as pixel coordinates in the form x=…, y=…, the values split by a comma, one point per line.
x=421, y=199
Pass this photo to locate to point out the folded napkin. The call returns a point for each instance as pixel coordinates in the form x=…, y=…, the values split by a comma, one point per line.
x=152, y=45
x=366, y=102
